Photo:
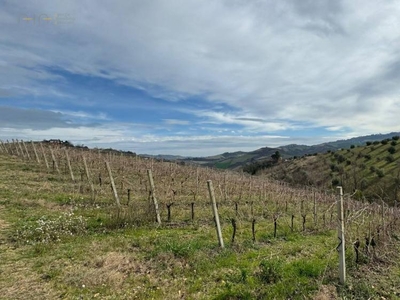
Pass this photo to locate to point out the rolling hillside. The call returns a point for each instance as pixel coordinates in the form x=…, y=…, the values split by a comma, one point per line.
x=236, y=160
x=369, y=171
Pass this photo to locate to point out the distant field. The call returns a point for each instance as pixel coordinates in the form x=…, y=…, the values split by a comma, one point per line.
x=71, y=240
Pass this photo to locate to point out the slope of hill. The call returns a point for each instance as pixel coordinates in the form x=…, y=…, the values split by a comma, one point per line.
x=73, y=238
x=371, y=171
x=236, y=160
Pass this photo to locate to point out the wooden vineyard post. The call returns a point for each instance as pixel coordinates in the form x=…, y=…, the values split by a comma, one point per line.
x=69, y=165
x=2, y=147
x=26, y=150
x=55, y=165
x=113, y=184
x=34, y=150
x=6, y=147
x=18, y=145
x=341, y=246
x=215, y=211
x=150, y=175
x=44, y=156
x=315, y=209
x=88, y=178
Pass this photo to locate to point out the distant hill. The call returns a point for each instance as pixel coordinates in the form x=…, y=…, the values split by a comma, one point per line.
x=370, y=171
x=237, y=160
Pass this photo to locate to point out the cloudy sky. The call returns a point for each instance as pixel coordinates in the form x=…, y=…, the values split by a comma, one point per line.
x=198, y=77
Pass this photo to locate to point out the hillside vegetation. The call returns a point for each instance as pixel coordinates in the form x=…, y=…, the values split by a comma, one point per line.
x=237, y=160
x=81, y=224
x=371, y=171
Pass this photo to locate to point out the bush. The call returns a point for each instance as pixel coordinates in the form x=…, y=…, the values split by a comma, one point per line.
x=340, y=158
x=380, y=173
x=372, y=169
x=395, y=138
x=335, y=182
x=392, y=150
x=384, y=142
x=376, y=143
x=352, y=147
x=368, y=143
x=390, y=158
x=367, y=156
x=393, y=143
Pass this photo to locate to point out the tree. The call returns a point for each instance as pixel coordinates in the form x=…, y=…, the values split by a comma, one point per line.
x=276, y=156
x=392, y=150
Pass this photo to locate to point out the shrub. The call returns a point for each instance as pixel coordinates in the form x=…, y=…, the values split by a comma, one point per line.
x=372, y=169
x=334, y=168
x=340, y=158
x=384, y=142
x=352, y=147
x=393, y=143
x=380, y=173
x=392, y=150
x=395, y=138
x=368, y=143
x=335, y=182
x=376, y=143
x=367, y=156
x=390, y=158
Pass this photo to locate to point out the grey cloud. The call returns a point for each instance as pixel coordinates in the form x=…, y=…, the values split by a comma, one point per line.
x=11, y=117
x=255, y=56
x=251, y=119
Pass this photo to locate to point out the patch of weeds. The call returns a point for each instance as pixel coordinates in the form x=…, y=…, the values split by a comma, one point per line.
x=50, y=229
x=289, y=288
x=230, y=294
x=270, y=271
x=183, y=249
x=308, y=268
x=357, y=290
x=63, y=199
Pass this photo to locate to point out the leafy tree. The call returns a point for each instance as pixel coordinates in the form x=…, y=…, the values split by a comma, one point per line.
x=369, y=143
x=352, y=147
x=395, y=138
x=392, y=150
x=276, y=156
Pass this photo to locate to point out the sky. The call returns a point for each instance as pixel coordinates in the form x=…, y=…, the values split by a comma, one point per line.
x=198, y=77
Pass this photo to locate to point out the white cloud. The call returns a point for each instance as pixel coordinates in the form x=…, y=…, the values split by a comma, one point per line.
x=332, y=64
x=176, y=122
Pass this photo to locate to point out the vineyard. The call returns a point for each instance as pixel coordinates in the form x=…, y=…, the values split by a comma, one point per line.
x=150, y=228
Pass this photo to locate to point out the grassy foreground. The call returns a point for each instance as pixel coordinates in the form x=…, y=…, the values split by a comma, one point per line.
x=55, y=244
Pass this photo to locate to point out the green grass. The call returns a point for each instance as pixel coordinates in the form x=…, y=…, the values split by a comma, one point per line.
x=56, y=243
